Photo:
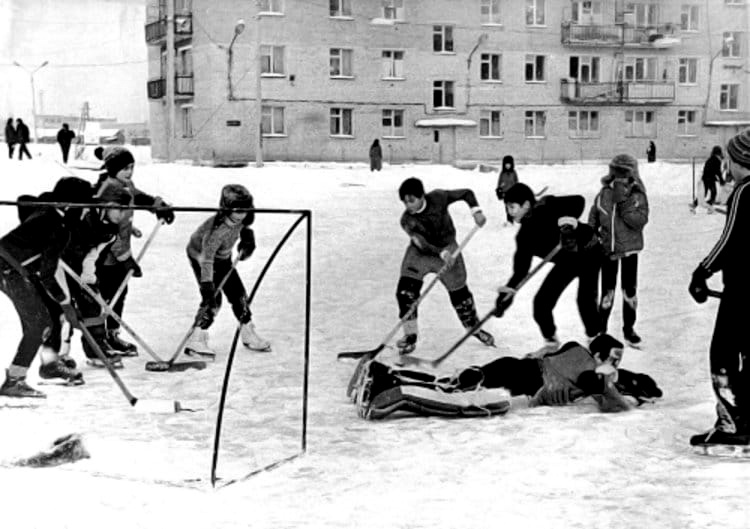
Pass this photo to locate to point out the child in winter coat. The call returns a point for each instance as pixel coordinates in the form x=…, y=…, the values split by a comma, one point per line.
x=506, y=179
x=712, y=173
x=210, y=254
x=619, y=213
x=115, y=262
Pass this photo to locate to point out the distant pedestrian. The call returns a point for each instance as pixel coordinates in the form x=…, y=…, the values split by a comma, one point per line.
x=65, y=138
x=22, y=137
x=712, y=170
x=376, y=156
x=505, y=180
x=651, y=152
x=10, y=136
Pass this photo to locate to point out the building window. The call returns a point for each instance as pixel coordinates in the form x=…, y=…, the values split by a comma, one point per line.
x=489, y=68
x=686, y=125
x=586, y=12
x=640, y=124
x=442, y=94
x=272, y=60
x=640, y=69
x=583, y=123
x=688, y=71
x=340, y=8
x=442, y=39
x=731, y=47
x=393, y=123
x=534, y=123
x=393, y=64
x=272, y=121
x=535, y=12
x=645, y=14
x=393, y=9
x=184, y=61
x=534, y=68
x=490, y=12
x=271, y=6
x=689, y=18
x=584, y=69
x=186, y=115
x=341, y=122
x=341, y=62
x=728, y=96
x=489, y=124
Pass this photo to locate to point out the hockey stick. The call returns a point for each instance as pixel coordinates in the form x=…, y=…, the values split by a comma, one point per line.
x=107, y=309
x=127, y=277
x=372, y=352
x=170, y=365
x=409, y=360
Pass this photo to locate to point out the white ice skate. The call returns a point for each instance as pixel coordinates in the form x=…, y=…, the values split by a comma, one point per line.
x=197, y=345
x=251, y=340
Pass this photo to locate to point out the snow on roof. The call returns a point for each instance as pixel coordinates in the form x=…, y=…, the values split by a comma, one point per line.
x=728, y=123
x=445, y=122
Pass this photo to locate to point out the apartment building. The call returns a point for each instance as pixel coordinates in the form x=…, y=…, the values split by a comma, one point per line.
x=445, y=80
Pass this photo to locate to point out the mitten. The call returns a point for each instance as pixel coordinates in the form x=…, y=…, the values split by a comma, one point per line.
x=698, y=287
x=246, y=247
x=131, y=264
x=164, y=211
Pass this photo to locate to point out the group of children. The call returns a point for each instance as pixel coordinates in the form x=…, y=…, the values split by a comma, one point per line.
x=75, y=241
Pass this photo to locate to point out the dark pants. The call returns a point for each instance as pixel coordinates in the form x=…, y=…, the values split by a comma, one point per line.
x=710, y=188
x=233, y=288
x=10, y=150
x=628, y=284
x=110, y=277
x=729, y=360
x=65, y=148
x=520, y=376
x=585, y=267
x=31, y=307
x=23, y=150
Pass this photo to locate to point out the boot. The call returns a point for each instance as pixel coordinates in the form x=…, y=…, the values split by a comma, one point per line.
x=251, y=340
x=17, y=387
x=93, y=359
x=197, y=344
x=631, y=338
x=122, y=347
x=57, y=371
x=719, y=437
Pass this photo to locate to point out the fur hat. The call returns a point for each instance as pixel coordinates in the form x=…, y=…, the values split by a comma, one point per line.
x=73, y=189
x=519, y=193
x=738, y=148
x=622, y=164
x=235, y=196
x=117, y=159
x=716, y=151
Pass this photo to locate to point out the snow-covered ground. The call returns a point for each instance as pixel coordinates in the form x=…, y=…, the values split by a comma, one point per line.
x=543, y=467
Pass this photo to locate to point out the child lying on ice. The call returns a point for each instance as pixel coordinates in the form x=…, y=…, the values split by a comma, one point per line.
x=567, y=375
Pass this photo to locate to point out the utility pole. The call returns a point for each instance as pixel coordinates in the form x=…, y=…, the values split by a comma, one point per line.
x=170, y=81
x=33, y=93
x=258, y=93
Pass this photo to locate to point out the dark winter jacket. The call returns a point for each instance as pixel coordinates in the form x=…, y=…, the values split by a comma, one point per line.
x=539, y=232
x=10, y=133
x=507, y=177
x=712, y=171
x=376, y=152
x=65, y=136
x=729, y=254
x=22, y=132
x=620, y=225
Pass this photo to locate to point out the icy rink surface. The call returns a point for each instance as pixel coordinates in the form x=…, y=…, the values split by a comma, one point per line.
x=544, y=467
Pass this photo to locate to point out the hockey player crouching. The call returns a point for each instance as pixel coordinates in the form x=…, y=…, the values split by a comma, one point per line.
x=210, y=255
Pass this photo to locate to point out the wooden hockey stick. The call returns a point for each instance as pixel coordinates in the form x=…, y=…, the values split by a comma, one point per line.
x=127, y=277
x=170, y=365
x=409, y=360
x=371, y=353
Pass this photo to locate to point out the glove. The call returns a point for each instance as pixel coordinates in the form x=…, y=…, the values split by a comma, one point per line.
x=136, y=232
x=698, y=287
x=568, y=239
x=208, y=294
x=504, y=300
x=165, y=211
x=479, y=217
x=131, y=264
x=247, y=243
x=71, y=314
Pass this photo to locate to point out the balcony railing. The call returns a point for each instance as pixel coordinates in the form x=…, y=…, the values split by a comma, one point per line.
x=617, y=35
x=183, y=87
x=617, y=93
x=156, y=31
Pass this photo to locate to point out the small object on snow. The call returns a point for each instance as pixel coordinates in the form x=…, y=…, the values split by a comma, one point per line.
x=66, y=449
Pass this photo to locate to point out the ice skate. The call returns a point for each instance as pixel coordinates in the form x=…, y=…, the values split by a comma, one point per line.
x=57, y=372
x=120, y=346
x=93, y=360
x=18, y=388
x=251, y=340
x=407, y=344
x=485, y=337
x=197, y=345
x=632, y=339
x=719, y=443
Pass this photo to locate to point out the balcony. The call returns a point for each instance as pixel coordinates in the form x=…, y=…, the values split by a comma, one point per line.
x=183, y=87
x=619, y=35
x=156, y=31
x=618, y=93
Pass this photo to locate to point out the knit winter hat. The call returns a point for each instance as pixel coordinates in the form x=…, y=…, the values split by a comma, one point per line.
x=117, y=159
x=738, y=148
x=716, y=151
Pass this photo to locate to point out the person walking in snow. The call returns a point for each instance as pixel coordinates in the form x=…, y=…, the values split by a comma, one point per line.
x=376, y=156
x=729, y=353
x=505, y=180
x=712, y=173
x=432, y=241
x=619, y=214
x=22, y=138
x=210, y=254
x=10, y=137
x=64, y=139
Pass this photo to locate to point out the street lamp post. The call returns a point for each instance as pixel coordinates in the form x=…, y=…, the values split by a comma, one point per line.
x=239, y=27
x=726, y=42
x=33, y=93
